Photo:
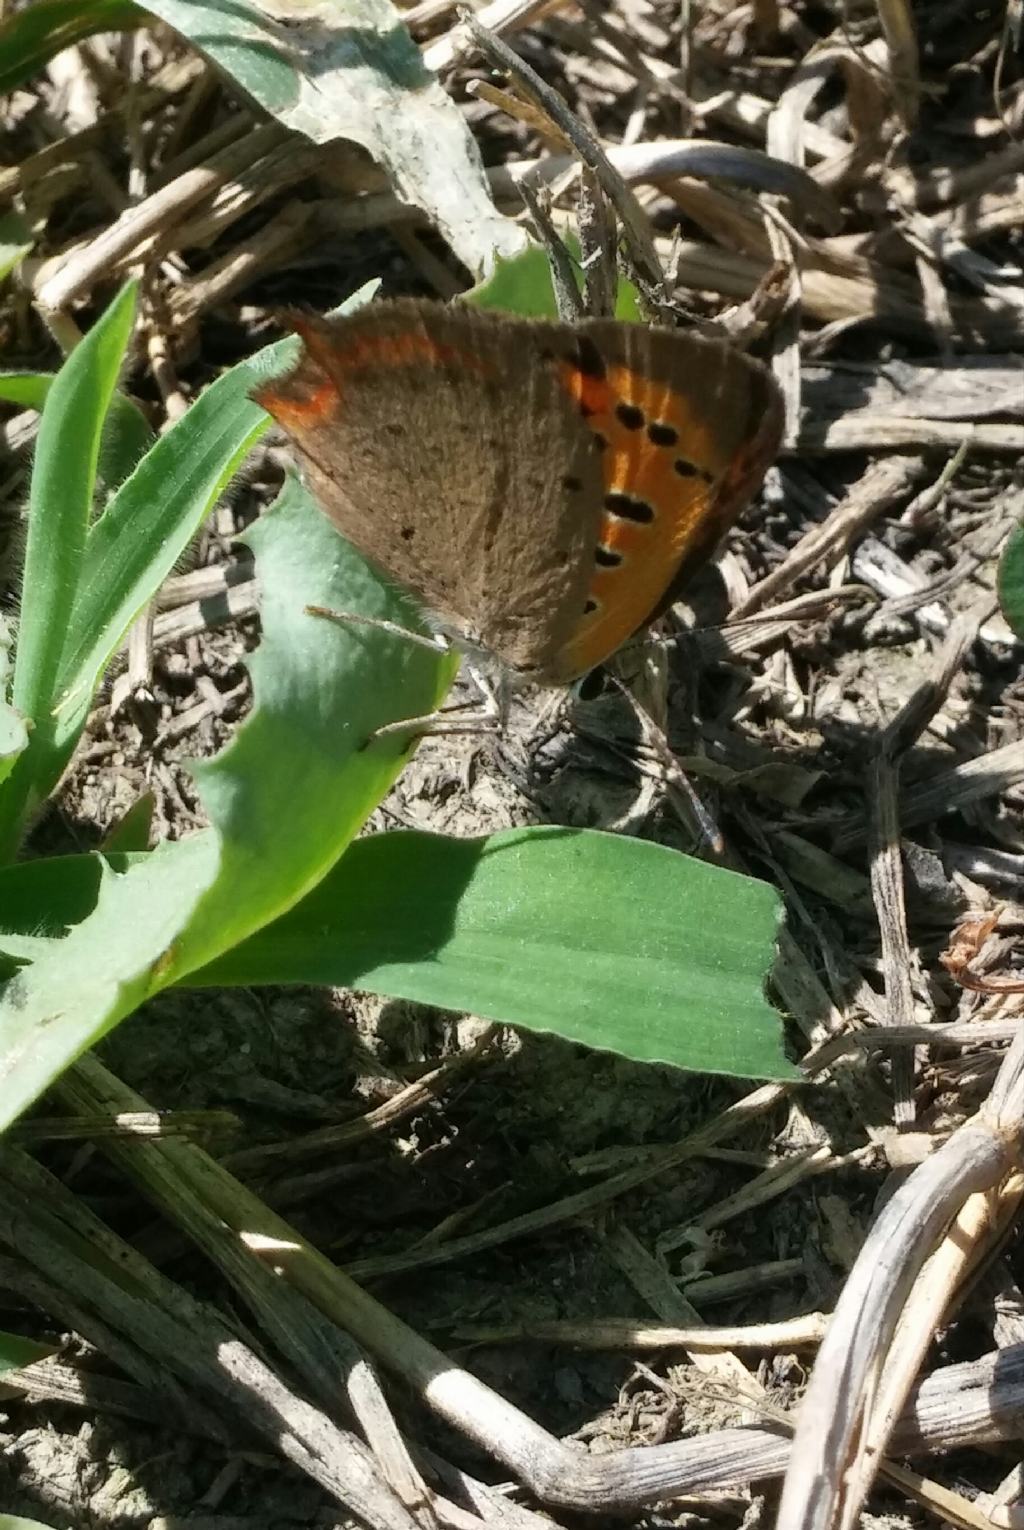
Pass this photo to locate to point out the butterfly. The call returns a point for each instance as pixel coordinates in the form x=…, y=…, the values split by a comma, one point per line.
x=544, y=489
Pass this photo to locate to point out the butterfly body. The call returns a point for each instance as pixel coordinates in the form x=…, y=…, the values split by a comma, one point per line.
x=542, y=488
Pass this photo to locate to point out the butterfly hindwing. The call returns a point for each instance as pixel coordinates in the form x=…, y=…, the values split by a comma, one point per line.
x=456, y=463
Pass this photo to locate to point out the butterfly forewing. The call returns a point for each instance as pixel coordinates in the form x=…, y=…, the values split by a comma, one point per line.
x=689, y=427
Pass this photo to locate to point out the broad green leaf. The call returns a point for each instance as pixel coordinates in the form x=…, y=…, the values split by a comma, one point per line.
x=286, y=797
x=81, y=986
x=32, y=35
x=15, y=239
x=351, y=70
x=18, y=949
x=16, y=1352
x=40, y=899
x=606, y=940
x=17, y=1522
x=663, y=959
x=126, y=431
x=523, y=286
x=302, y=775
x=1011, y=581
x=46, y=895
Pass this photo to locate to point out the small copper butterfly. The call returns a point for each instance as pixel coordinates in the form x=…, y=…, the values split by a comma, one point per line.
x=543, y=488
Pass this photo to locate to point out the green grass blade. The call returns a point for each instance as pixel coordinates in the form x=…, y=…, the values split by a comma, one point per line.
x=126, y=434
x=31, y=36
x=60, y=501
x=140, y=536
x=15, y=241
x=13, y=729
x=16, y=1352
x=1011, y=581
x=13, y=739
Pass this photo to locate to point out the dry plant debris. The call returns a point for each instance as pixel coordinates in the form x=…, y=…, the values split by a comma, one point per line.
x=844, y=184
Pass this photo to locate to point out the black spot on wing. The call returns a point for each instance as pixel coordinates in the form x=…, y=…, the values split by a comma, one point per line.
x=662, y=434
x=627, y=508
x=630, y=416
x=691, y=470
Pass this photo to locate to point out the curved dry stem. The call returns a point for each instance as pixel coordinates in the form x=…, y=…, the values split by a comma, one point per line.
x=926, y=1238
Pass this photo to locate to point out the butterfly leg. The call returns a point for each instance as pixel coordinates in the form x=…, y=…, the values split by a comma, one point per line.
x=357, y=619
x=489, y=717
